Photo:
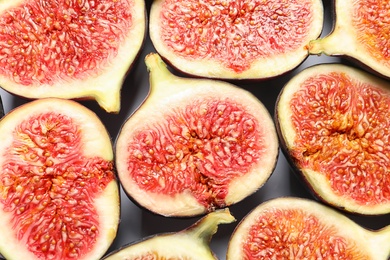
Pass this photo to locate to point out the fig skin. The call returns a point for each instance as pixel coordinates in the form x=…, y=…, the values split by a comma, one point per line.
x=1, y=108
x=103, y=84
x=318, y=184
x=261, y=65
x=96, y=144
x=190, y=243
x=169, y=95
x=346, y=41
x=322, y=223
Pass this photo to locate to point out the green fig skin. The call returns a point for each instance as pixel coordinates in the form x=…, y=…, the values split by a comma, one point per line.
x=190, y=243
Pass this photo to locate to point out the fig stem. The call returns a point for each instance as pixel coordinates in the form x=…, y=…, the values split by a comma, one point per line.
x=157, y=68
x=206, y=227
x=331, y=44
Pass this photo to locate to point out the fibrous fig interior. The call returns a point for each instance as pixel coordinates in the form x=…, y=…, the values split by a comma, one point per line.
x=70, y=49
x=59, y=196
x=361, y=32
x=190, y=243
x=333, y=123
x=234, y=39
x=296, y=228
x=194, y=145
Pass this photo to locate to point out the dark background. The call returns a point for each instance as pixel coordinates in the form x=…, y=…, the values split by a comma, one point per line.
x=137, y=223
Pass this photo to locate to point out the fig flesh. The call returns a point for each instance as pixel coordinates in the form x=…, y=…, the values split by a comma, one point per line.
x=333, y=120
x=190, y=243
x=206, y=144
x=234, y=39
x=296, y=228
x=59, y=196
x=70, y=49
x=361, y=32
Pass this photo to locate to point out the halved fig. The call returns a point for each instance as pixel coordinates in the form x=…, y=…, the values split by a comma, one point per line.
x=333, y=123
x=194, y=145
x=296, y=228
x=361, y=32
x=70, y=49
x=190, y=243
x=233, y=39
x=59, y=195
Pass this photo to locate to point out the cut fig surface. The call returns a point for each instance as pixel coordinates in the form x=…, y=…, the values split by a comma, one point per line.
x=59, y=196
x=361, y=31
x=70, y=49
x=296, y=228
x=333, y=122
x=194, y=145
x=190, y=243
x=234, y=39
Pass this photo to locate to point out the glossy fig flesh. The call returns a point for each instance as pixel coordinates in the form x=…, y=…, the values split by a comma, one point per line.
x=234, y=39
x=190, y=243
x=333, y=122
x=296, y=228
x=59, y=196
x=194, y=145
x=361, y=31
x=70, y=49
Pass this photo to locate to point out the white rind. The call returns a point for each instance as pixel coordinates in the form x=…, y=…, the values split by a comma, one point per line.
x=208, y=67
x=318, y=182
x=96, y=142
x=374, y=243
x=105, y=88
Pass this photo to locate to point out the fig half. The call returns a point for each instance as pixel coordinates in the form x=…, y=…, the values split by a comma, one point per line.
x=194, y=145
x=70, y=49
x=59, y=196
x=361, y=32
x=190, y=243
x=234, y=39
x=333, y=123
x=296, y=228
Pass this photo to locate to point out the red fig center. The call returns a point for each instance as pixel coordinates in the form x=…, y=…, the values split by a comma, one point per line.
x=48, y=186
x=295, y=234
x=199, y=149
x=342, y=131
x=234, y=33
x=372, y=21
x=43, y=41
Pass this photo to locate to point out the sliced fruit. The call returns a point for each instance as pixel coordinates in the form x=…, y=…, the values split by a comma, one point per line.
x=70, y=49
x=362, y=32
x=333, y=121
x=190, y=243
x=59, y=195
x=295, y=228
x=234, y=39
x=194, y=145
